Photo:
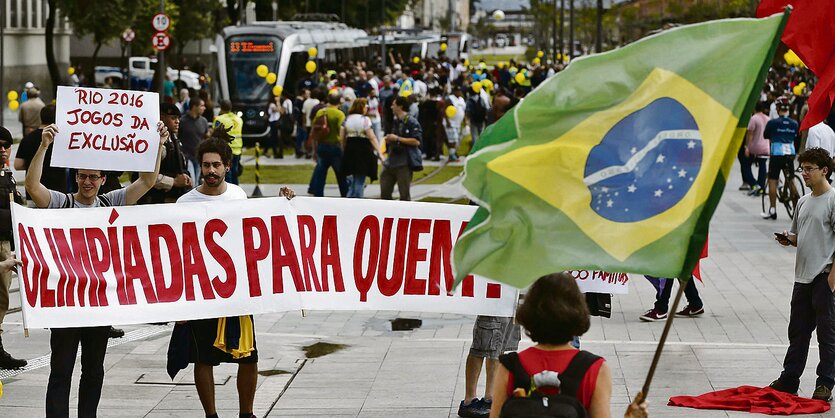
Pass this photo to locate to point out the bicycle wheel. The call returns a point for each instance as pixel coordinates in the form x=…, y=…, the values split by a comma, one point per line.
x=793, y=190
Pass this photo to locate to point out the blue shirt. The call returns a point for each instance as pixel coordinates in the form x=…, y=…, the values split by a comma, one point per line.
x=782, y=133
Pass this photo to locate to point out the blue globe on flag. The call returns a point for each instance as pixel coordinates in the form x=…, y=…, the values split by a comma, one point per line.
x=645, y=164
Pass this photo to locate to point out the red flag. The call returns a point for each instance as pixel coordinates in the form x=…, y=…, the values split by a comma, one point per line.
x=811, y=35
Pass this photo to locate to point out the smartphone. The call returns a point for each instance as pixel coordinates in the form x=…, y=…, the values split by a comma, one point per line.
x=781, y=236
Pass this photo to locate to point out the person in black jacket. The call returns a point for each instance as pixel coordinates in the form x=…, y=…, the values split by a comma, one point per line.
x=7, y=187
x=174, y=179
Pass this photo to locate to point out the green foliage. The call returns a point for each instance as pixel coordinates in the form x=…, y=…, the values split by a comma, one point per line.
x=196, y=21
x=104, y=19
x=141, y=24
x=358, y=13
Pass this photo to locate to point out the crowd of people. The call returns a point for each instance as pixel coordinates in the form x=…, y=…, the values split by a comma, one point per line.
x=349, y=119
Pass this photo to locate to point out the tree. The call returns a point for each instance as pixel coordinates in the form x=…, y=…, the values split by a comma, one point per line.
x=196, y=22
x=103, y=19
x=54, y=75
x=141, y=24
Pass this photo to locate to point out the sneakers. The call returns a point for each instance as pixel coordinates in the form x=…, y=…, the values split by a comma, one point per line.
x=822, y=393
x=690, y=312
x=478, y=408
x=780, y=387
x=756, y=191
x=771, y=214
x=653, y=315
x=744, y=187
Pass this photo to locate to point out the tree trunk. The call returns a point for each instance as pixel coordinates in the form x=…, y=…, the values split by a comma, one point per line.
x=54, y=75
x=93, y=64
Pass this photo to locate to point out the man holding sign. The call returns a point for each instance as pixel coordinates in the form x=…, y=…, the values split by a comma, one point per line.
x=64, y=342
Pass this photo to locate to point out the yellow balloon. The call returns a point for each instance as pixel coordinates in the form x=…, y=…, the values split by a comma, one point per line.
x=798, y=89
x=477, y=86
x=262, y=70
x=478, y=72
x=310, y=66
x=14, y=104
x=519, y=78
x=12, y=95
x=312, y=52
x=443, y=47
x=536, y=61
x=501, y=64
x=487, y=84
x=792, y=59
x=416, y=60
x=466, y=63
x=406, y=93
x=271, y=77
x=277, y=90
x=450, y=111
x=540, y=54
x=71, y=70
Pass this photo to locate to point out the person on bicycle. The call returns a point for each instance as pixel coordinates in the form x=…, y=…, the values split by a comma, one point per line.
x=782, y=133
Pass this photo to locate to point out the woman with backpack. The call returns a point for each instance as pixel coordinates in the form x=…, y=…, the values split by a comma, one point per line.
x=360, y=147
x=576, y=383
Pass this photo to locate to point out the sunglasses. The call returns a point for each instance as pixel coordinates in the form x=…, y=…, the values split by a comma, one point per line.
x=5, y=144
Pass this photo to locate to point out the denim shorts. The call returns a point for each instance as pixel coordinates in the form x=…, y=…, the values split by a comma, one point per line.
x=494, y=335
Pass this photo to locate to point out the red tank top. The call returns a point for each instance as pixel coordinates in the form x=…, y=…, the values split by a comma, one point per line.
x=535, y=360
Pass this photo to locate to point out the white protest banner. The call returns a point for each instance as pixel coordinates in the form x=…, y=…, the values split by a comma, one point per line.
x=601, y=282
x=156, y=263
x=104, y=129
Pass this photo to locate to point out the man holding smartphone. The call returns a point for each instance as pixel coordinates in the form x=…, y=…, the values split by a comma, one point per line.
x=813, y=301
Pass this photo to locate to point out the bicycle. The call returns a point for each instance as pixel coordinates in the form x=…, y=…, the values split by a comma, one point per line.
x=788, y=192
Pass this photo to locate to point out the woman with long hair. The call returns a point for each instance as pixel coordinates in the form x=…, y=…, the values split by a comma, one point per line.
x=361, y=148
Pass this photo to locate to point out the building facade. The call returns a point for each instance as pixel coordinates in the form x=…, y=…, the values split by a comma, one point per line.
x=24, y=46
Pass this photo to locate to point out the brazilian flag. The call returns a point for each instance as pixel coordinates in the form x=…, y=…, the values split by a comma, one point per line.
x=618, y=162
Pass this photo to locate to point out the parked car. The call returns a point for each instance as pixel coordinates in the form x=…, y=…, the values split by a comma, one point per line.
x=141, y=70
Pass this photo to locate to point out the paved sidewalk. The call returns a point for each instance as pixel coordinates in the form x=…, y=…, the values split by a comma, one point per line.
x=739, y=341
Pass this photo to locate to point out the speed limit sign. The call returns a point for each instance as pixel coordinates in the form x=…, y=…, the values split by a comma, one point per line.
x=161, y=41
x=161, y=22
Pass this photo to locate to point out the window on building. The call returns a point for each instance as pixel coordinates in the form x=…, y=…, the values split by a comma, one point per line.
x=13, y=14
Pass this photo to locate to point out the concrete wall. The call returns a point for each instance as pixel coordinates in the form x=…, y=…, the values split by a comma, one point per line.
x=24, y=55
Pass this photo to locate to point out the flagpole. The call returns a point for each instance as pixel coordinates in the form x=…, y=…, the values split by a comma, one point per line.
x=667, y=325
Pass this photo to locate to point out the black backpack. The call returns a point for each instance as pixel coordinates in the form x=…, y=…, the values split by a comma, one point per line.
x=564, y=404
x=70, y=202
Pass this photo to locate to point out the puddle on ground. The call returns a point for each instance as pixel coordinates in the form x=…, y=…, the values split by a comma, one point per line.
x=322, y=349
x=405, y=324
x=272, y=372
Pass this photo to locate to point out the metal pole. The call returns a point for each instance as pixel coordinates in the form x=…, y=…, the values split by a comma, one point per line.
x=275, y=10
x=562, y=28
x=599, y=42
x=554, y=30
x=383, y=36
x=163, y=69
x=571, y=29
x=2, y=59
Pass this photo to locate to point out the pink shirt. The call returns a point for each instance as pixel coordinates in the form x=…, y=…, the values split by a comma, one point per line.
x=758, y=145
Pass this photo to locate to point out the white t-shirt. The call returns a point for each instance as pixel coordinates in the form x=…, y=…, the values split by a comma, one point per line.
x=307, y=106
x=356, y=125
x=273, y=112
x=460, y=109
x=233, y=192
x=821, y=136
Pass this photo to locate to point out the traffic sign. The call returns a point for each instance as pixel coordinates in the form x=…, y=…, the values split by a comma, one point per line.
x=161, y=22
x=128, y=35
x=161, y=41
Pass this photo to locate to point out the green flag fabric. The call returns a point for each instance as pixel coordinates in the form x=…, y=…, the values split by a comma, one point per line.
x=618, y=162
